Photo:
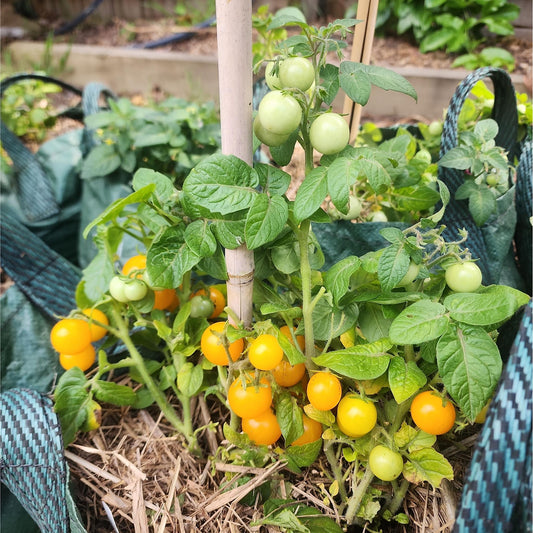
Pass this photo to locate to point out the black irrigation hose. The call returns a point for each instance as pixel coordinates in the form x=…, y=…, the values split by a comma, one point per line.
x=69, y=26
x=176, y=37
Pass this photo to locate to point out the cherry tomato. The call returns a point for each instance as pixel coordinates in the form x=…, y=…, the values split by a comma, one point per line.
x=135, y=290
x=432, y=413
x=272, y=80
x=355, y=416
x=312, y=432
x=435, y=128
x=213, y=349
x=249, y=401
x=329, y=133
x=94, y=416
x=70, y=335
x=135, y=265
x=286, y=375
x=117, y=289
x=324, y=391
x=296, y=72
x=385, y=464
x=279, y=113
x=300, y=339
x=166, y=299
x=262, y=429
x=97, y=332
x=267, y=137
x=410, y=275
x=463, y=277
x=378, y=216
x=218, y=299
x=83, y=359
x=201, y=306
x=265, y=353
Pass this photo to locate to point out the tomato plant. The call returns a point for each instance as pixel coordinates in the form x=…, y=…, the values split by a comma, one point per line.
x=249, y=400
x=262, y=428
x=329, y=133
x=70, y=335
x=324, y=391
x=264, y=352
x=216, y=349
x=386, y=464
x=464, y=277
x=279, y=113
x=432, y=413
x=356, y=417
x=83, y=359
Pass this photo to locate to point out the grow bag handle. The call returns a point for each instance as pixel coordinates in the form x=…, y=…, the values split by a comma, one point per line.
x=34, y=191
x=457, y=215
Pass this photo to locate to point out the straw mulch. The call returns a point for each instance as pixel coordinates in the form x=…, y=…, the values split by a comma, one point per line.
x=134, y=475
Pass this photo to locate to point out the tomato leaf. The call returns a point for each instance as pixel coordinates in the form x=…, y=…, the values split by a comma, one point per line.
x=190, y=378
x=266, y=219
x=413, y=439
x=495, y=304
x=330, y=82
x=330, y=321
x=416, y=198
x=110, y=392
x=100, y=161
x=470, y=365
x=376, y=174
x=374, y=325
x=289, y=417
x=362, y=361
x=420, y=322
x=304, y=455
x=169, y=258
x=272, y=179
x=222, y=183
x=341, y=175
x=287, y=16
x=326, y=418
x=163, y=185
x=393, y=265
x=337, y=278
x=200, y=238
x=426, y=464
x=70, y=401
x=405, y=378
x=311, y=193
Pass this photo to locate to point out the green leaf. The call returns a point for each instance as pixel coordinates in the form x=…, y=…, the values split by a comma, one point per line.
x=169, y=258
x=272, y=179
x=330, y=321
x=101, y=161
x=289, y=417
x=341, y=175
x=190, y=379
x=420, y=322
x=116, y=208
x=416, y=198
x=337, y=278
x=326, y=418
x=70, y=400
x=413, y=439
x=482, y=203
x=362, y=361
x=470, y=366
x=459, y=157
x=405, y=378
x=330, y=82
x=393, y=265
x=374, y=171
x=304, y=455
x=287, y=16
x=374, y=325
x=113, y=393
x=163, y=185
x=428, y=465
x=496, y=304
x=222, y=183
x=266, y=219
x=311, y=193
x=200, y=238
x=230, y=233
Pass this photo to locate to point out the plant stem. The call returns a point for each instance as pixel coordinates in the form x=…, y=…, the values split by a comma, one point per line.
x=357, y=496
x=160, y=399
x=335, y=469
x=399, y=496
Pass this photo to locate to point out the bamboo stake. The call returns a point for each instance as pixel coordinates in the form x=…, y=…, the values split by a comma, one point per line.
x=234, y=41
x=363, y=40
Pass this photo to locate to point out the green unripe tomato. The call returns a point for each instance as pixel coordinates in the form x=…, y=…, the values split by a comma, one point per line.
x=201, y=306
x=296, y=72
x=435, y=128
x=272, y=80
x=354, y=210
x=464, y=277
x=410, y=275
x=329, y=133
x=267, y=137
x=117, y=289
x=378, y=216
x=423, y=155
x=385, y=464
x=279, y=113
x=135, y=290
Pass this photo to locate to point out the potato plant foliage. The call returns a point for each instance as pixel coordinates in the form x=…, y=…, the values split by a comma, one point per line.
x=384, y=335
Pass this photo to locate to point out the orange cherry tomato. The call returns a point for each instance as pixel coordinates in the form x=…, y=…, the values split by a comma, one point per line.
x=262, y=429
x=324, y=391
x=432, y=413
x=83, y=360
x=251, y=400
x=70, y=335
x=97, y=332
x=286, y=375
x=135, y=263
x=312, y=432
x=213, y=349
x=265, y=353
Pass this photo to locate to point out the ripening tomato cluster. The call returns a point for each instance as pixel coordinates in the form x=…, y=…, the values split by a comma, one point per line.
x=279, y=115
x=73, y=338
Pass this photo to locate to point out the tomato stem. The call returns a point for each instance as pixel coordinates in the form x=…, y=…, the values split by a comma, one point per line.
x=357, y=495
x=399, y=496
x=334, y=464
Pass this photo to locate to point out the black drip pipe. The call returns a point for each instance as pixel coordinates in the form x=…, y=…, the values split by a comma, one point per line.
x=69, y=26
